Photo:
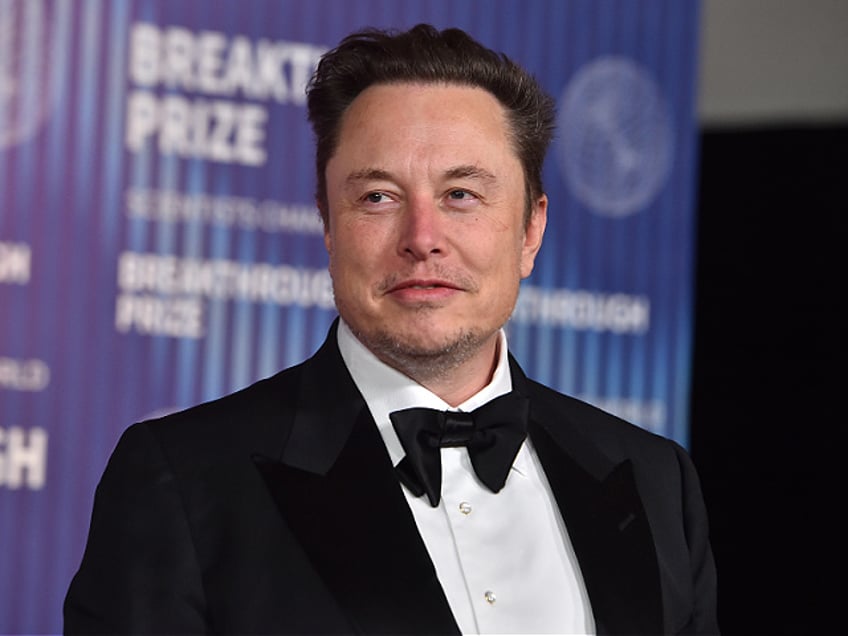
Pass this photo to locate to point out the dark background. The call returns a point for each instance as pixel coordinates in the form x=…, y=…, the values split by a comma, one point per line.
x=766, y=431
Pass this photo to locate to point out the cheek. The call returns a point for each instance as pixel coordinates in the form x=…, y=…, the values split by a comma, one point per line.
x=350, y=259
x=506, y=259
x=500, y=275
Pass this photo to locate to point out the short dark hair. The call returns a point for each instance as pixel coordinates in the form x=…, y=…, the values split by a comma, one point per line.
x=424, y=54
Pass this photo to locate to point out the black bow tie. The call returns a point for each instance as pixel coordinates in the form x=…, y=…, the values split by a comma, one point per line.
x=492, y=433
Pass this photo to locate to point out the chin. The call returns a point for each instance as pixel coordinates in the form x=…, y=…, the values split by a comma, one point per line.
x=429, y=333
x=413, y=343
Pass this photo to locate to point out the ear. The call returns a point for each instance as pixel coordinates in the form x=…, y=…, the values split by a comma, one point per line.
x=533, y=234
x=328, y=243
x=325, y=219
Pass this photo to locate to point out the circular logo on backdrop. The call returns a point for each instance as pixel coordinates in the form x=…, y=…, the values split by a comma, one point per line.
x=616, y=140
x=26, y=95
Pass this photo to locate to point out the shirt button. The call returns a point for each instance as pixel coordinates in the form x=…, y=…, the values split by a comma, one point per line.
x=465, y=508
x=490, y=597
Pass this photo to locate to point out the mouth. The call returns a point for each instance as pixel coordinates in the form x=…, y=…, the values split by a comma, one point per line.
x=422, y=291
x=422, y=285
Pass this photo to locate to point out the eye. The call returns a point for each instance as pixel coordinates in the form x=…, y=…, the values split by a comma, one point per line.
x=461, y=199
x=376, y=197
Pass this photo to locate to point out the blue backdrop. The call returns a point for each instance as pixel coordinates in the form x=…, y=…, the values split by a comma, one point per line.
x=159, y=245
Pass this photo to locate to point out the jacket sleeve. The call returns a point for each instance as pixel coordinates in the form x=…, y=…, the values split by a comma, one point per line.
x=139, y=573
x=696, y=527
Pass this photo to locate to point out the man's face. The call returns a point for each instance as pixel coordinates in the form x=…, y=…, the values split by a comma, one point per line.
x=426, y=233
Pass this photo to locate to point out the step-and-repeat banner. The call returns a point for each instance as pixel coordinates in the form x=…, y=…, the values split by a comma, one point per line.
x=159, y=244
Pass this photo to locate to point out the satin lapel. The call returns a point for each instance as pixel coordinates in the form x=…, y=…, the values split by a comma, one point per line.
x=611, y=537
x=606, y=523
x=338, y=492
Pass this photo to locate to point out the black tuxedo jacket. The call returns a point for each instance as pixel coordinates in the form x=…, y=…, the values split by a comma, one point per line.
x=276, y=510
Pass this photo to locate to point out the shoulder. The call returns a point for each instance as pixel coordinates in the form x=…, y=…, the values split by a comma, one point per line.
x=608, y=431
x=587, y=432
x=255, y=419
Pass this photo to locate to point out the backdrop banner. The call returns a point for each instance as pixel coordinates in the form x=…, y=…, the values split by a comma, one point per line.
x=159, y=243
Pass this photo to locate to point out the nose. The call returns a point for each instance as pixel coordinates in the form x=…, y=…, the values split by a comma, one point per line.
x=422, y=231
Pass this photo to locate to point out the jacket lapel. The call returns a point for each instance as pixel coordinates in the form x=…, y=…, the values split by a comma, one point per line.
x=606, y=522
x=337, y=490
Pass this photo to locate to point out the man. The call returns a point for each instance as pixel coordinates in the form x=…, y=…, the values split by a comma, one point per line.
x=325, y=499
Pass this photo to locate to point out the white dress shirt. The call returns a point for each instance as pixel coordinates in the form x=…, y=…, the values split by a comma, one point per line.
x=505, y=560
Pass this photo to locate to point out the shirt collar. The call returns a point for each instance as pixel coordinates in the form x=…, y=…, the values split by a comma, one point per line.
x=386, y=389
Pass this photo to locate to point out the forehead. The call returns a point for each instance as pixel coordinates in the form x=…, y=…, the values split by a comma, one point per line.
x=414, y=121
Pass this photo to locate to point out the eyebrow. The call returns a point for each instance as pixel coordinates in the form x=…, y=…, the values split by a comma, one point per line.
x=470, y=172
x=457, y=172
x=369, y=174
